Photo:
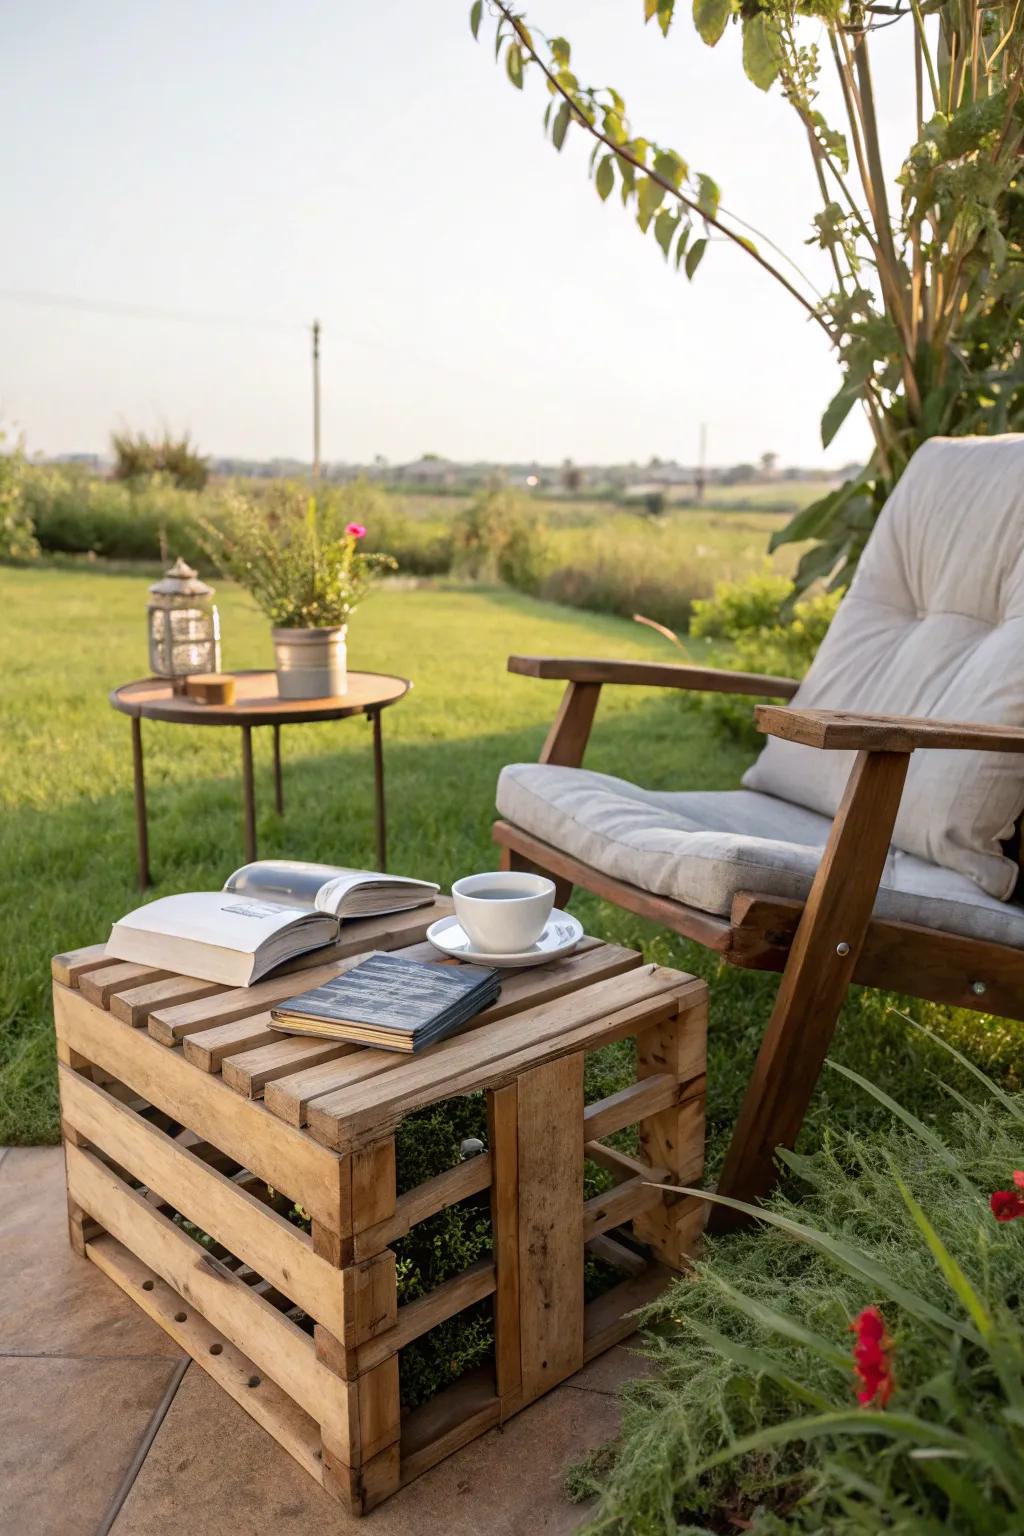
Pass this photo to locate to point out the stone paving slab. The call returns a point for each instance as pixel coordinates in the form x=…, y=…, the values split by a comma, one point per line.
x=51, y=1301
x=212, y=1469
x=83, y=1380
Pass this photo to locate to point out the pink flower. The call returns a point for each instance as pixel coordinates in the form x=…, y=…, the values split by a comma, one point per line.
x=1007, y=1204
x=355, y=530
x=871, y=1357
x=1018, y=1177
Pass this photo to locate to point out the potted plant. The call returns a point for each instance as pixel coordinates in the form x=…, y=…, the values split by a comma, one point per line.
x=308, y=574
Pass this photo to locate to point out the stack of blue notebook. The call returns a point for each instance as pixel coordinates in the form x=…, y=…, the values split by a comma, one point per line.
x=391, y=1003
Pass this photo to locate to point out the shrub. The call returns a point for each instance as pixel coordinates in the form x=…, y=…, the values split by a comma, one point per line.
x=17, y=537
x=752, y=1419
x=139, y=458
x=764, y=635
x=74, y=513
x=500, y=536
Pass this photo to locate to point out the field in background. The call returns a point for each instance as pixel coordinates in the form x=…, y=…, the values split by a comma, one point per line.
x=594, y=554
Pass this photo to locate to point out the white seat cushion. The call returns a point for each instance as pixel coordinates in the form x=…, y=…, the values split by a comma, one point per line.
x=933, y=625
x=702, y=847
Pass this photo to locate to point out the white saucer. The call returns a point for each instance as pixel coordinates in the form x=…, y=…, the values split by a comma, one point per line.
x=561, y=935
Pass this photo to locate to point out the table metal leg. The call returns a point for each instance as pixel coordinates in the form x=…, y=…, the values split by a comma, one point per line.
x=378, y=790
x=249, y=795
x=141, y=827
x=278, y=781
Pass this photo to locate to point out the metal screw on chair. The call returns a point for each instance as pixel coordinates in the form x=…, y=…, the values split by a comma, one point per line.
x=979, y=988
x=471, y=1147
x=842, y=948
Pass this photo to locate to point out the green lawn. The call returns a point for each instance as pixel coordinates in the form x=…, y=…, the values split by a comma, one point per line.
x=67, y=838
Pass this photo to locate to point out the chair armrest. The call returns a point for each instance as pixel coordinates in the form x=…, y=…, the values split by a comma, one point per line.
x=654, y=674
x=843, y=730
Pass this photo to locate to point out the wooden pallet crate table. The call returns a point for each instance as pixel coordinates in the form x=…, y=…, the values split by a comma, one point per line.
x=192, y=1132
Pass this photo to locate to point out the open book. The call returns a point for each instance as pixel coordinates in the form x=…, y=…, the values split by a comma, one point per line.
x=267, y=913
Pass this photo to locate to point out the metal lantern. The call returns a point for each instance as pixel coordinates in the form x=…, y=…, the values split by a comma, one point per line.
x=184, y=626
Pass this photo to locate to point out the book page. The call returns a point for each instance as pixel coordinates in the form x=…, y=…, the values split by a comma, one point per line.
x=283, y=880
x=226, y=919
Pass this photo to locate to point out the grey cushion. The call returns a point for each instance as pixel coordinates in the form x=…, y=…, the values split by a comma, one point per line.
x=932, y=625
x=702, y=847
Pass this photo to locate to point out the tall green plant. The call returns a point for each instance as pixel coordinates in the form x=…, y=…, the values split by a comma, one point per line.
x=855, y=1365
x=927, y=298
x=302, y=567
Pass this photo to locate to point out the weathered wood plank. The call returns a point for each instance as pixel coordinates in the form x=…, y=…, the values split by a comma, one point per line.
x=448, y=1188
x=287, y=1159
x=208, y=1048
x=550, y=1200
x=271, y=1245
x=579, y=1021
x=68, y=967
x=277, y=1346
x=135, y=1005
x=260, y=1397
x=503, y=1135
x=291, y=1097
x=629, y=1105
x=447, y=1422
x=250, y=1071
x=418, y=1317
x=99, y=985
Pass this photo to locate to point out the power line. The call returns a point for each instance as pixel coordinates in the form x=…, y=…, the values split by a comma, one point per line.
x=43, y=300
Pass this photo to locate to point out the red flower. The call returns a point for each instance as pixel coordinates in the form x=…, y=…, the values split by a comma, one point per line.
x=1018, y=1177
x=871, y=1361
x=355, y=530
x=1007, y=1204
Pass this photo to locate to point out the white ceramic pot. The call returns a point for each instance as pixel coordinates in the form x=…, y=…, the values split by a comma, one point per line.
x=311, y=663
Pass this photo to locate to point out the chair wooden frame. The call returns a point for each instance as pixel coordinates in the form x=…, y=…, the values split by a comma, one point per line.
x=820, y=945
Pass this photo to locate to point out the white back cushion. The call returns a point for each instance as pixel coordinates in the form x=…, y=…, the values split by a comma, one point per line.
x=933, y=625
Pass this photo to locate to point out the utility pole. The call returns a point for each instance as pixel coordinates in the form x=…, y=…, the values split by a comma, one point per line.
x=701, y=479
x=316, y=399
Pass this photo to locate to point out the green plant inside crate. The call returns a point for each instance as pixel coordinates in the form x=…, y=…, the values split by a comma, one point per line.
x=427, y=1143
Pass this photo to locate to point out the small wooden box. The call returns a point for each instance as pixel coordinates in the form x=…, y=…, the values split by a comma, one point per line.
x=182, y=1110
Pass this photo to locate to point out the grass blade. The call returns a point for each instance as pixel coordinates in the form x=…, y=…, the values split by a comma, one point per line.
x=911, y=1121
x=851, y=1421
x=847, y=1256
x=951, y=1271
x=1011, y=1104
x=781, y=1323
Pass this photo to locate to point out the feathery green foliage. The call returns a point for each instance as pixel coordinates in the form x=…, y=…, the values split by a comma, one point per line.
x=751, y=1412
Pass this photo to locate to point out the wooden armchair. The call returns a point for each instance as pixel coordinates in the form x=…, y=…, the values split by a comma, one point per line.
x=820, y=945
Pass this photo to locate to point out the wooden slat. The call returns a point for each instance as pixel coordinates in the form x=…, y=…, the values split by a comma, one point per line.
x=135, y=1006
x=580, y=1021
x=617, y=1255
x=550, y=1185
x=447, y=1422
x=261, y=1398
x=208, y=1048
x=99, y=985
x=899, y=957
x=503, y=1135
x=629, y=1105
x=249, y=1072
x=68, y=967
x=621, y=1203
x=396, y=931
x=611, y=1317
x=267, y=1242
x=654, y=674
x=284, y=1157
x=277, y=1346
x=436, y=1194
x=418, y=1317
x=593, y=961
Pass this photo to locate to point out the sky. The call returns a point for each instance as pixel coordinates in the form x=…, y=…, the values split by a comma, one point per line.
x=260, y=164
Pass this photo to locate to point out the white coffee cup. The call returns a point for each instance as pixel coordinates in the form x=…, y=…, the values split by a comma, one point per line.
x=505, y=912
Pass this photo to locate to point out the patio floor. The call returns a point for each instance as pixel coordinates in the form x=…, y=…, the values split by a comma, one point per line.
x=106, y=1427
